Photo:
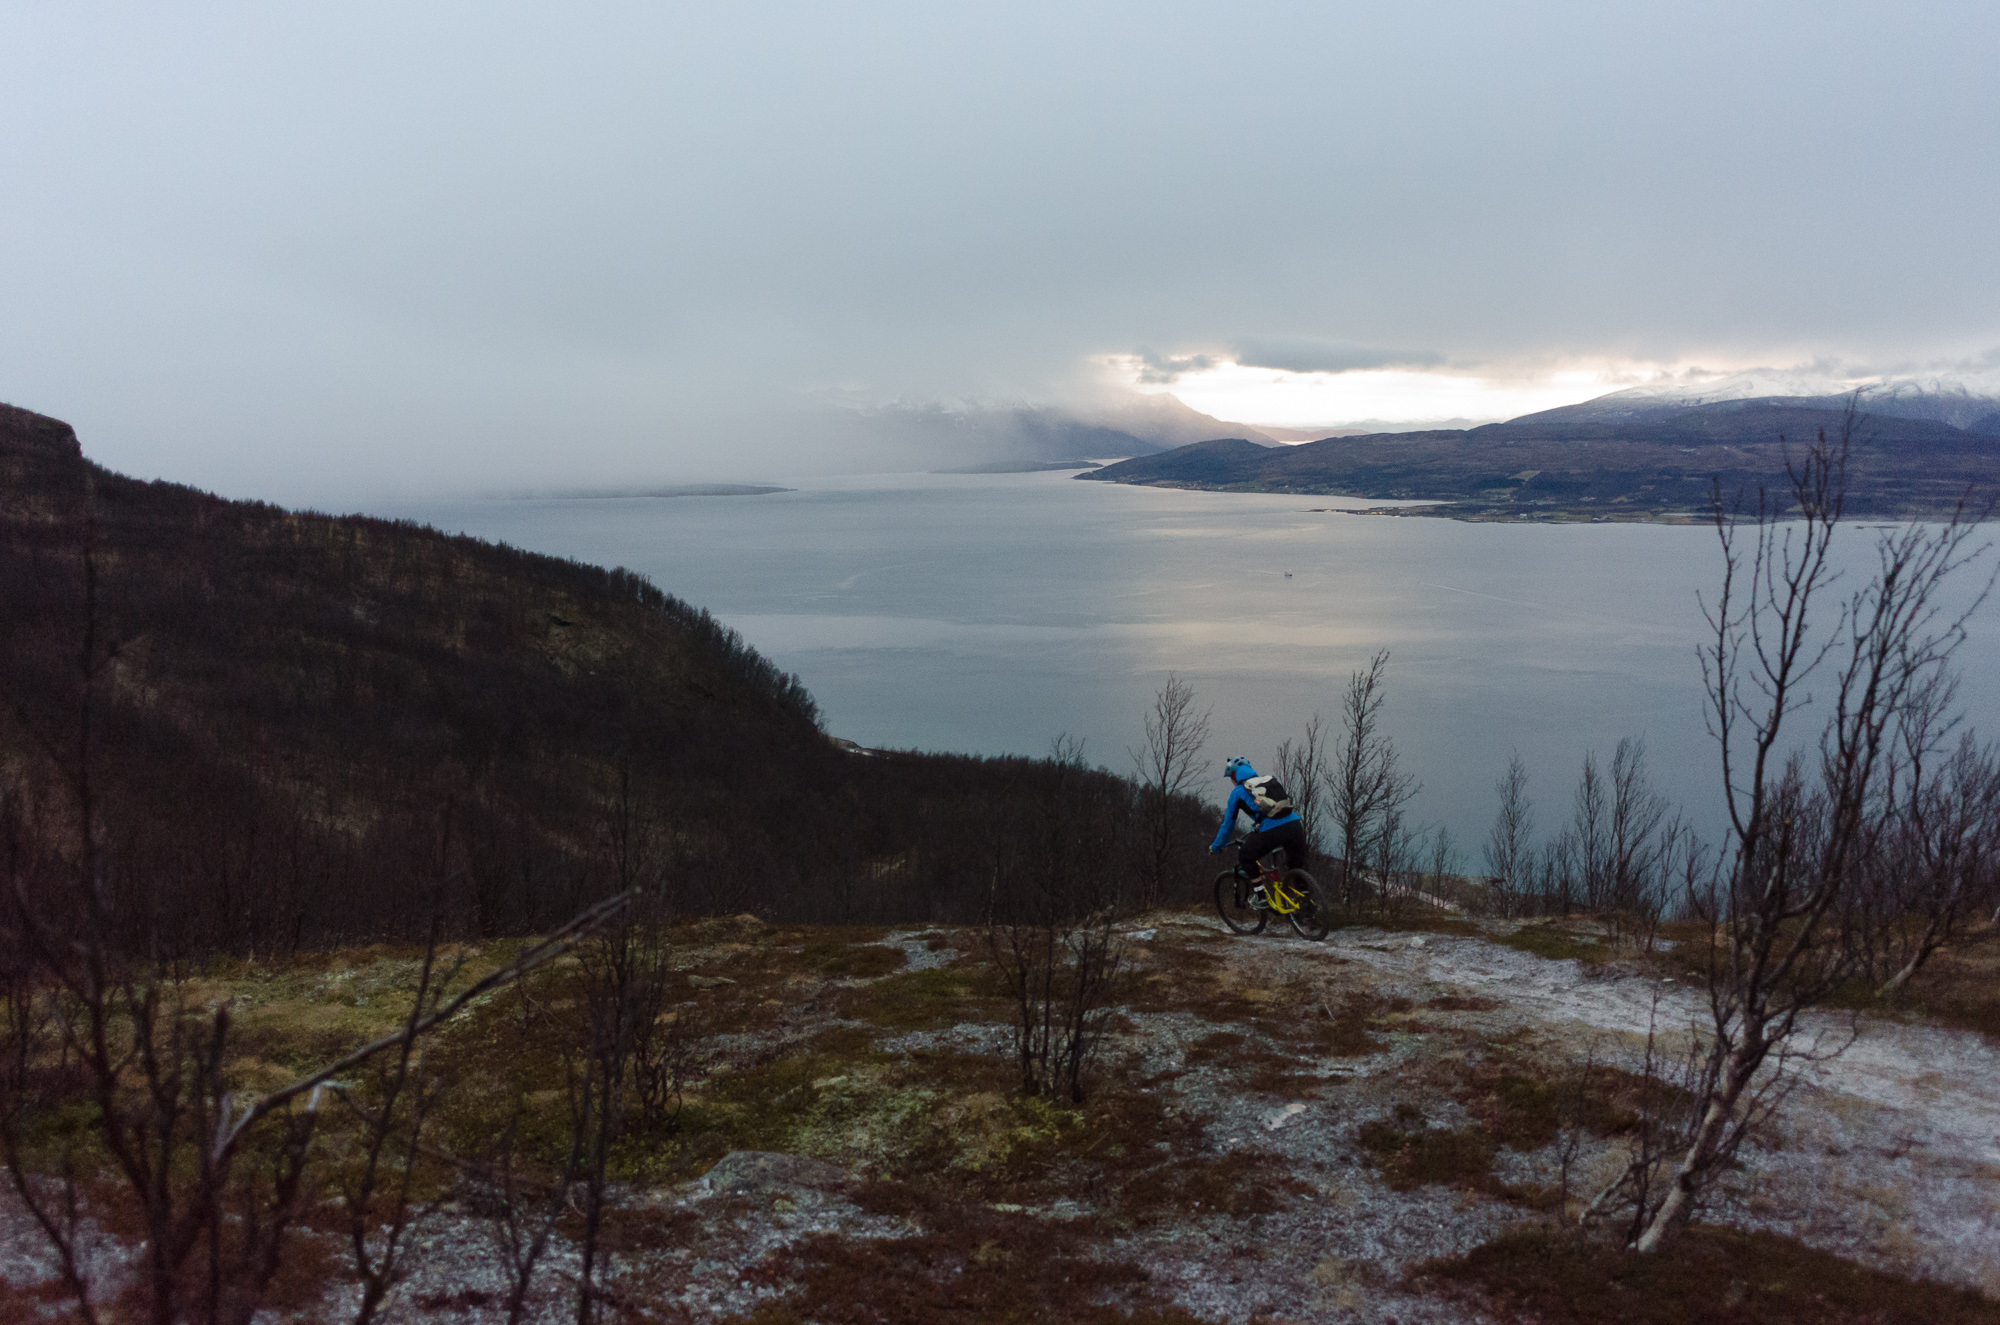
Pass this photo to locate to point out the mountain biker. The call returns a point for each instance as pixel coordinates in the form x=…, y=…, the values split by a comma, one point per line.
x=1274, y=823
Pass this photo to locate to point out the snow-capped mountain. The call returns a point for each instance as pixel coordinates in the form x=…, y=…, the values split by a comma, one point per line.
x=1970, y=401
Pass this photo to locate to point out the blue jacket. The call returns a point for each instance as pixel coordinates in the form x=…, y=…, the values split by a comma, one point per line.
x=1241, y=799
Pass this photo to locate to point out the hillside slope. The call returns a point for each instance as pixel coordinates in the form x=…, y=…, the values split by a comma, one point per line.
x=301, y=726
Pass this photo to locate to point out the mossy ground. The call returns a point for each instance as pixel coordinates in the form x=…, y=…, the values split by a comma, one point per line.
x=1556, y=942
x=965, y=1264
x=828, y=1044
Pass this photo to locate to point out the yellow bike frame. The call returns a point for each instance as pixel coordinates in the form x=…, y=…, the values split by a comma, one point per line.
x=1282, y=899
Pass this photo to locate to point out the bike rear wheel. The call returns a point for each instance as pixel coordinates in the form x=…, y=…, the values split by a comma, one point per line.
x=1310, y=919
x=1232, y=903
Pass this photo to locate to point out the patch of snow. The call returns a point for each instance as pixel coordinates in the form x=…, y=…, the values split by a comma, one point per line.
x=1283, y=1116
x=918, y=955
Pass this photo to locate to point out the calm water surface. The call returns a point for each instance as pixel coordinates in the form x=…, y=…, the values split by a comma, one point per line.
x=990, y=613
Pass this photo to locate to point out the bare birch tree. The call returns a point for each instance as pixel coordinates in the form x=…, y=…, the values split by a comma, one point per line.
x=1366, y=785
x=1509, y=853
x=1938, y=854
x=1169, y=768
x=1798, y=832
x=1301, y=766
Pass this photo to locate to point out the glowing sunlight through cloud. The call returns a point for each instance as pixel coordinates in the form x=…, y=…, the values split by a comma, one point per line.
x=1283, y=399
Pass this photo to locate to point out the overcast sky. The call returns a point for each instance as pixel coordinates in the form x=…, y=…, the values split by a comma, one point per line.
x=308, y=252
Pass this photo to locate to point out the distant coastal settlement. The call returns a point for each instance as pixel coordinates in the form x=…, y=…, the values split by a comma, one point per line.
x=1665, y=467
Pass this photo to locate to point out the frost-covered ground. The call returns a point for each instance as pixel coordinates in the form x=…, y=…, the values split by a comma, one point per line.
x=1888, y=1153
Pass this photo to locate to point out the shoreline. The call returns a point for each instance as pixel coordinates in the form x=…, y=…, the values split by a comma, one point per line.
x=1474, y=512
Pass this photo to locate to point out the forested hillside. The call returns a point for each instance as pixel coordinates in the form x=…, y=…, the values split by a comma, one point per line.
x=289, y=729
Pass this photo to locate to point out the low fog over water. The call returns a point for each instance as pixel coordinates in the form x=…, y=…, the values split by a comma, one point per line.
x=989, y=614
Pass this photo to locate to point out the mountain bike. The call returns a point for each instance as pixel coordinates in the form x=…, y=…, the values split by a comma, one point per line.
x=1295, y=895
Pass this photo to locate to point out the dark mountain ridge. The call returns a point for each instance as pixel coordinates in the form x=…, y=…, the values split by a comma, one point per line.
x=1970, y=405
x=1572, y=463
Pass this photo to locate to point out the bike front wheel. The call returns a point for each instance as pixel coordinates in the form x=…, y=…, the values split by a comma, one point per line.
x=1232, y=903
x=1309, y=918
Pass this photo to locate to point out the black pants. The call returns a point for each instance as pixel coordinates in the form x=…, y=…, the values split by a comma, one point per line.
x=1291, y=836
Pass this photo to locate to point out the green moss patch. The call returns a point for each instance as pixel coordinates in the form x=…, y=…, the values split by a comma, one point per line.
x=833, y=1100
x=847, y=953
x=931, y=1000
x=1556, y=944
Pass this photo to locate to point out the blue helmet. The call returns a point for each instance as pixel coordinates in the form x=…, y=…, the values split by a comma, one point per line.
x=1238, y=768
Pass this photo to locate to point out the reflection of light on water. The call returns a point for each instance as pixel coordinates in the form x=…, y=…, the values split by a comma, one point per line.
x=1170, y=644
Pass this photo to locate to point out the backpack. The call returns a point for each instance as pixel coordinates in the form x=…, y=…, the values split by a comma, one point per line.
x=1269, y=795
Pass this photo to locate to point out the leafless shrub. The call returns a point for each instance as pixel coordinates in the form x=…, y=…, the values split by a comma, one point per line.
x=399, y=1102
x=520, y=1193
x=1574, y=1090
x=1052, y=936
x=1666, y=1110
x=1061, y=976
x=629, y=1066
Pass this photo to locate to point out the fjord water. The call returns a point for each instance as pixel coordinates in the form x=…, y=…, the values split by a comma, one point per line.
x=991, y=613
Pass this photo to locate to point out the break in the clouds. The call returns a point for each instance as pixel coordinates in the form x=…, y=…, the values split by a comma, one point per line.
x=1298, y=354
x=1291, y=354
x=303, y=251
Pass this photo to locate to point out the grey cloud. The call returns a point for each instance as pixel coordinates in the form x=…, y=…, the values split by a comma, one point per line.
x=1166, y=369
x=298, y=251
x=1298, y=354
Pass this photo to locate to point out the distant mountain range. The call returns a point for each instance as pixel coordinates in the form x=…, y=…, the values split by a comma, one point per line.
x=1648, y=453
x=1970, y=401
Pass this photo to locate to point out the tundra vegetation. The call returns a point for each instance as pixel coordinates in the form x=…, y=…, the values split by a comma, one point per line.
x=381, y=939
